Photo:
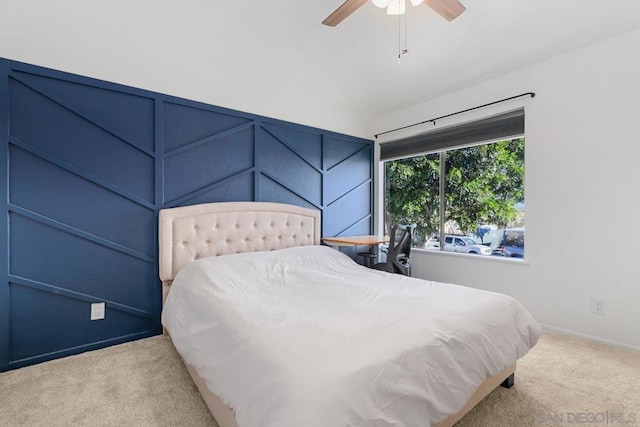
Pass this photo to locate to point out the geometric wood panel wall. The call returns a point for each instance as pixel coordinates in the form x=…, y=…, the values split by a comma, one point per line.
x=86, y=166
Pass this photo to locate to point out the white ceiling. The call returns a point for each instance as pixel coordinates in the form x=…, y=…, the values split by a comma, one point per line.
x=357, y=60
x=275, y=58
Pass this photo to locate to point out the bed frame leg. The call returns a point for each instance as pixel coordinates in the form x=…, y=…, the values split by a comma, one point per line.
x=508, y=383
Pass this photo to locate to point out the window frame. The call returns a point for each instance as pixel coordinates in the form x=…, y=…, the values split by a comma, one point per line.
x=442, y=195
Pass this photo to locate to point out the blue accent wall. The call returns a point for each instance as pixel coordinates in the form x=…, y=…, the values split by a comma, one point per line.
x=87, y=165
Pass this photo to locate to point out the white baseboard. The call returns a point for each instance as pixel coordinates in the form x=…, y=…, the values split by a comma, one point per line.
x=561, y=331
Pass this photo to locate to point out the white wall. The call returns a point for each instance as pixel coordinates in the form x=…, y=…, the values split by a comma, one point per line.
x=582, y=190
x=247, y=59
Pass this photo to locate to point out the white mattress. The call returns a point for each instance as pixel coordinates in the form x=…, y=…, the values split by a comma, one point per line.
x=306, y=337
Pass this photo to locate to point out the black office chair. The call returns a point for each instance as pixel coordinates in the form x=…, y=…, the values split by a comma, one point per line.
x=398, y=256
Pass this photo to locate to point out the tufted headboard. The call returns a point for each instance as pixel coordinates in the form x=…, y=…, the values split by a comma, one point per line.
x=191, y=232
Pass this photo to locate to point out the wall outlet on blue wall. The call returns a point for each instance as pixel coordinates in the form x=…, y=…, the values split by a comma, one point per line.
x=97, y=311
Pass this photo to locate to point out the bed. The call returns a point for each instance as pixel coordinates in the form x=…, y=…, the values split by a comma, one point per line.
x=276, y=330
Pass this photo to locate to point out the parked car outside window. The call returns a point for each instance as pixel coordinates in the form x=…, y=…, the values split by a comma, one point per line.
x=465, y=244
x=512, y=244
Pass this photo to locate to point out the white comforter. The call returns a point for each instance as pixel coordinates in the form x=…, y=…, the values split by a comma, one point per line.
x=304, y=337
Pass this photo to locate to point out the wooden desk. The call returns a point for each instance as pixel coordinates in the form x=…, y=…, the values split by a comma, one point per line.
x=355, y=240
x=370, y=240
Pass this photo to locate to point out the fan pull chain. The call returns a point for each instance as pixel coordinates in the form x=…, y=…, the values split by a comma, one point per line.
x=399, y=37
x=405, y=50
x=400, y=50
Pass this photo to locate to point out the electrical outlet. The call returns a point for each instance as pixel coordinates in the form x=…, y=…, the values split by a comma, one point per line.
x=597, y=306
x=97, y=311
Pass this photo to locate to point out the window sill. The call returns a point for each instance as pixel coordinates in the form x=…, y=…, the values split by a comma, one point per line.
x=483, y=258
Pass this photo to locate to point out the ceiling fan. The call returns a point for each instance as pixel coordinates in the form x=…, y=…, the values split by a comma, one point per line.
x=448, y=9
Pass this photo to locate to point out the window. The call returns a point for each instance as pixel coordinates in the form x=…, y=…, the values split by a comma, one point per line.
x=468, y=194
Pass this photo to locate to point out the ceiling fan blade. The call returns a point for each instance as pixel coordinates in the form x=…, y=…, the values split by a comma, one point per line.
x=347, y=8
x=448, y=9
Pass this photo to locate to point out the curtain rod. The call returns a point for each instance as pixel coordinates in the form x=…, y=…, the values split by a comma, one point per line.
x=531, y=94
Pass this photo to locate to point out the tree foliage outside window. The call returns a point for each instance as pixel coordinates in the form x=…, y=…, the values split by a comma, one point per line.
x=484, y=184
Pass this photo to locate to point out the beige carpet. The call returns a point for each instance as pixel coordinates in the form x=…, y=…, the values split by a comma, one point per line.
x=563, y=381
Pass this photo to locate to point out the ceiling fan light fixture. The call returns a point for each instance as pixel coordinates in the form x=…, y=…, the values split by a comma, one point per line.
x=381, y=3
x=396, y=7
x=448, y=9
